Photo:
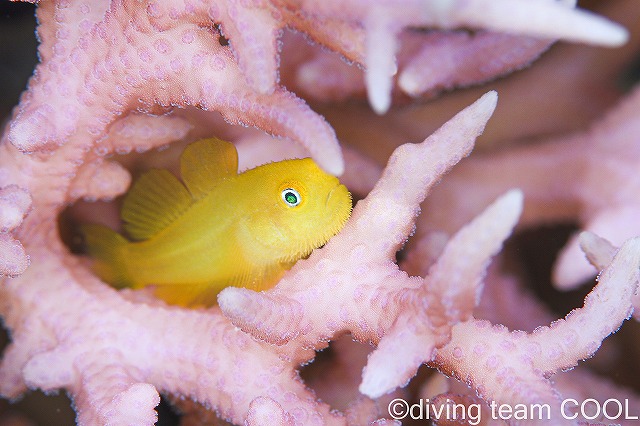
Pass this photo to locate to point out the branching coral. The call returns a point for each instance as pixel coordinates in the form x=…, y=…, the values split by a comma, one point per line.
x=572, y=187
x=212, y=355
x=373, y=31
x=116, y=78
x=421, y=330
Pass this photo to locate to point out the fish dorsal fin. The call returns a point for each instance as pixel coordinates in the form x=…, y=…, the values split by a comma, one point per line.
x=155, y=201
x=205, y=163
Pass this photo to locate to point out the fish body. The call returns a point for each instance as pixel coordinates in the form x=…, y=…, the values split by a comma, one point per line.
x=219, y=228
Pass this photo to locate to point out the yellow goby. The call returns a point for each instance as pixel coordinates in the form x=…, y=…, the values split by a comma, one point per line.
x=218, y=228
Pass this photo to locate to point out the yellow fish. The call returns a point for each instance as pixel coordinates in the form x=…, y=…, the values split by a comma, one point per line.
x=219, y=228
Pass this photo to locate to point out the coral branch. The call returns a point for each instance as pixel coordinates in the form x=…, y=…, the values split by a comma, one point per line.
x=104, y=348
x=579, y=335
x=377, y=28
x=464, y=59
x=150, y=68
x=142, y=132
x=449, y=295
x=520, y=378
x=532, y=18
x=571, y=188
x=100, y=179
x=15, y=203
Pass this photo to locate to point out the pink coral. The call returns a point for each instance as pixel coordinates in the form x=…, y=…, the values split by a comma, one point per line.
x=117, y=79
x=577, y=160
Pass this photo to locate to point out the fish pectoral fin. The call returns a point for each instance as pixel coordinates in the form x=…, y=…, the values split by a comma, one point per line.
x=188, y=295
x=288, y=264
x=254, y=277
x=156, y=200
x=259, y=278
x=205, y=163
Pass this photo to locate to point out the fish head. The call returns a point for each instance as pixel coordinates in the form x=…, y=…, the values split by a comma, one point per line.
x=298, y=207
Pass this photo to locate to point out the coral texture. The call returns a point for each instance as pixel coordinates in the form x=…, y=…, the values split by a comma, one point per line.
x=119, y=79
x=580, y=160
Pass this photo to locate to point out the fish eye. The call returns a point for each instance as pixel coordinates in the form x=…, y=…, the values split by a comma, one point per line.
x=291, y=197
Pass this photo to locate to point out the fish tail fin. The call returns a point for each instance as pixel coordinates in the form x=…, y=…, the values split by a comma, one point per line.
x=106, y=247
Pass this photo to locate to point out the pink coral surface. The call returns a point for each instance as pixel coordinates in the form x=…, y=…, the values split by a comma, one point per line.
x=125, y=77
